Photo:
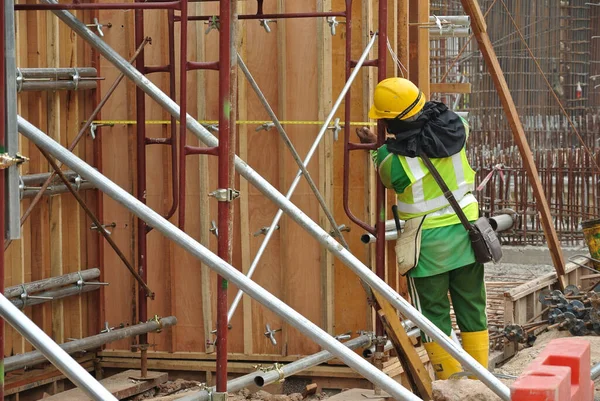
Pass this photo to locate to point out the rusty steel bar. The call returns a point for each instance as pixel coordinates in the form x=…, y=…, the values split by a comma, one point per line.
x=163, y=5
x=275, y=16
x=183, y=63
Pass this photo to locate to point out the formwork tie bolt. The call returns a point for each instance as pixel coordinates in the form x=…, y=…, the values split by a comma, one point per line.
x=264, y=230
x=336, y=128
x=341, y=228
x=94, y=126
x=265, y=24
x=213, y=23
x=99, y=26
x=214, y=230
x=265, y=127
x=103, y=226
x=333, y=23
x=270, y=334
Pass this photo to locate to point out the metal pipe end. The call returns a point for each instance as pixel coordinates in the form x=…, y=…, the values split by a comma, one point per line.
x=259, y=381
x=365, y=238
x=368, y=353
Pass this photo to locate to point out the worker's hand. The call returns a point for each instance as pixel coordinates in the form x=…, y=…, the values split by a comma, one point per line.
x=366, y=135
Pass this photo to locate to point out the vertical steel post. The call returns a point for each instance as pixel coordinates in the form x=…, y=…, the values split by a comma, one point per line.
x=183, y=107
x=3, y=121
x=140, y=115
x=380, y=207
x=225, y=181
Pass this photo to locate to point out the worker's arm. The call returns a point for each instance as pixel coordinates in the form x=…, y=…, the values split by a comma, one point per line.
x=388, y=165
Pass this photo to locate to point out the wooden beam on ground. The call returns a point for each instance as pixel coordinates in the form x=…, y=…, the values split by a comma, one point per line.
x=120, y=385
x=448, y=87
x=403, y=345
x=487, y=50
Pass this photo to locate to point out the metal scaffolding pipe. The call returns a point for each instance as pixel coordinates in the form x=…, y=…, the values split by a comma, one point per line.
x=303, y=164
x=57, y=73
x=31, y=86
x=449, y=32
x=222, y=268
x=52, y=295
x=290, y=369
x=502, y=222
x=53, y=282
x=266, y=188
x=596, y=372
x=368, y=238
x=34, y=180
x=54, y=190
x=464, y=20
x=35, y=357
x=59, y=358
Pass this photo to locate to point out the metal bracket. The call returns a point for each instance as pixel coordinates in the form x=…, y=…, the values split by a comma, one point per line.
x=270, y=334
x=333, y=23
x=25, y=296
x=263, y=231
x=76, y=77
x=156, y=319
x=112, y=225
x=214, y=229
x=213, y=23
x=7, y=160
x=265, y=126
x=225, y=195
x=20, y=80
x=341, y=228
x=98, y=26
x=81, y=283
x=94, y=126
x=265, y=24
x=336, y=128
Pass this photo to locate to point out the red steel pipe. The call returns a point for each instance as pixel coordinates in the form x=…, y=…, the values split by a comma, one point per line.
x=347, y=110
x=159, y=68
x=201, y=150
x=203, y=65
x=158, y=141
x=172, y=5
x=225, y=180
x=140, y=115
x=380, y=211
x=173, y=128
x=274, y=16
x=183, y=106
x=2, y=179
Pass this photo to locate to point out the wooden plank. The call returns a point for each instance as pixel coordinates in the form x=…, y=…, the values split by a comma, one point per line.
x=325, y=157
x=536, y=284
x=472, y=9
x=36, y=378
x=404, y=348
x=448, y=87
x=120, y=385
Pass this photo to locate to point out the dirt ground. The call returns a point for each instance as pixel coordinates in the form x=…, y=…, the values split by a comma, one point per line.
x=473, y=390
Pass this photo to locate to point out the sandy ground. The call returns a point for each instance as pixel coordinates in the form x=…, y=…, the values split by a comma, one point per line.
x=472, y=390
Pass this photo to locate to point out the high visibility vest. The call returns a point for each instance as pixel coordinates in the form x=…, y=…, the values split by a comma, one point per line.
x=424, y=197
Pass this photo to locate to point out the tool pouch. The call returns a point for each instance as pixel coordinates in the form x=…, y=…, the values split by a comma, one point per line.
x=485, y=242
x=408, y=245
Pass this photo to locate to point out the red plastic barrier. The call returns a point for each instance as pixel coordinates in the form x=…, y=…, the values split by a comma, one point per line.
x=560, y=373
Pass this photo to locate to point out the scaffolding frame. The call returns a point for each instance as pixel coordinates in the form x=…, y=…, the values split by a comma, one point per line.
x=227, y=160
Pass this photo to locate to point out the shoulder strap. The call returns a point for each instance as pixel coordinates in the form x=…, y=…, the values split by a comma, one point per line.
x=447, y=193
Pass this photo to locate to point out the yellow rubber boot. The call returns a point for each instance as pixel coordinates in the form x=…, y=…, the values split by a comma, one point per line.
x=477, y=344
x=443, y=363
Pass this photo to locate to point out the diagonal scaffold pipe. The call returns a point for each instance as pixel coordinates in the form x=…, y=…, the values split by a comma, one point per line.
x=222, y=268
x=288, y=207
x=52, y=351
x=303, y=164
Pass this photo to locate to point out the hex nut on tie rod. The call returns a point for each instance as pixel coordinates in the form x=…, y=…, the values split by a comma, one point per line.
x=7, y=160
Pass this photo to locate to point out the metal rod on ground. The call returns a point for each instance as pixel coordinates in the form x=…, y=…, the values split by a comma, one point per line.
x=81, y=132
x=272, y=193
x=96, y=222
x=596, y=372
x=59, y=358
x=304, y=164
x=53, y=282
x=35, y=357
x=295, y=155
x=224, y=269
x=52, y=295
x=294, y=367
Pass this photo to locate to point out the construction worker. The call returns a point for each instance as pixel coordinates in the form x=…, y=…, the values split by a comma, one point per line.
x=446, y=262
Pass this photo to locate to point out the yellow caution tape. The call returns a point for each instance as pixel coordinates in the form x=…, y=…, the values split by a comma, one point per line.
x=242, y=122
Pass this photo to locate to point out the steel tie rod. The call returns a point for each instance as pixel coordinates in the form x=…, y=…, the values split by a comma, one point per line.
x=223, y=268
x=295, y=213
x=302, y=164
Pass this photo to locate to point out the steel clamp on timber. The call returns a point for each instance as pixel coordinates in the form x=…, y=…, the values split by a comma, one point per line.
x=25, y=296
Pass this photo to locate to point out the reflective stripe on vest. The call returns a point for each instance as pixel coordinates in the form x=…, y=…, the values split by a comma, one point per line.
x=423, y=196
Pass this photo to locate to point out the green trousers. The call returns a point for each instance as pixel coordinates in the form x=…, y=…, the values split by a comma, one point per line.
x=466, y=286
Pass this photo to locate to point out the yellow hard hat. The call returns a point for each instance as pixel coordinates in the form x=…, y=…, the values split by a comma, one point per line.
x=396, y=98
